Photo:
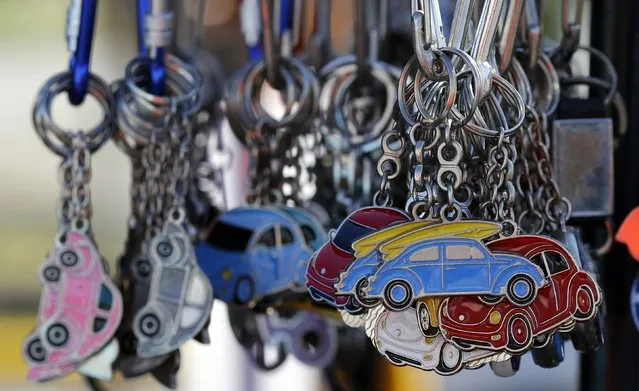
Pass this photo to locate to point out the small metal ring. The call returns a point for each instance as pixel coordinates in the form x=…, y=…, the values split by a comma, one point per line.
x=60, y=140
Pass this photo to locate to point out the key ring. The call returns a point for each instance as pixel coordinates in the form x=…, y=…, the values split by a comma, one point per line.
x=58, y=139
x=356, y=140
x=511, y=96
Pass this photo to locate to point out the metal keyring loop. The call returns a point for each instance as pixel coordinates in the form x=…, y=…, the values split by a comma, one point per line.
x=610, y=68
x=300, y=109
x=512, y=97
x=551, y=77
x=475, y=71
x=175, y=66
x=450, y=99
x=141, y=119
x=379, y=72
x=250, y=108
x=49, y=131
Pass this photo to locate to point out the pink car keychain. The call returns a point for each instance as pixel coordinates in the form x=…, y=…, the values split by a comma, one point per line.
x=80, y=306
x=80, y=309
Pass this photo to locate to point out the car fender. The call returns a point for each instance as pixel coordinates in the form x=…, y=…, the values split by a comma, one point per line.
x=378, y=282
x=501, y=280
x=579, y=280
x=353, y=276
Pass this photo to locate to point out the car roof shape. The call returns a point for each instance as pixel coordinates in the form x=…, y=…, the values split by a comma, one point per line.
x=301, y=216
x=461, y=229
x=378, y=216
x=252, y=218
x=528, y=246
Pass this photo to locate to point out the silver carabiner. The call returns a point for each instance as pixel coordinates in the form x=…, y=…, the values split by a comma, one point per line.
x=571, y=32
x=460, y=24
x=508, y=34
x=484, y=41
x=428, y=34
x=531, y=32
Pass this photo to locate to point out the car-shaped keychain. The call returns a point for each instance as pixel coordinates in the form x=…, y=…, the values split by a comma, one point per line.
x=398, y=337
x=80, y=309
x=253, y=252
x=355, y=278
x=180, y=296
x=451, y=266
x=336, y=255
x=570, y=295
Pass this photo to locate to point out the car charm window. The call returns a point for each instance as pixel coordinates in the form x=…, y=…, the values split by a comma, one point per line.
x=267, y=239
x=539, y=261
x=556, y=262
x=349, y=232
x=287, y=236
x=309, y=234
x=463, y=251
x=426, y=254
x=229, y=237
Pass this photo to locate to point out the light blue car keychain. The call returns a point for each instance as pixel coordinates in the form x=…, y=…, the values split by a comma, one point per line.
x=253, y=252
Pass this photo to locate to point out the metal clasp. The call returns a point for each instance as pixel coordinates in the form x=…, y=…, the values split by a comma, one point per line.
x=80, y=27
x=571, y=32
x=155, y=24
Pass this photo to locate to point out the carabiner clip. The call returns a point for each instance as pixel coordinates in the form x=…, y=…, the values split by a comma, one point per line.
x=80, y=28
x=571, y=32
x=508, y=34
x=155, y=33
x=428, y=34
x=531, y=32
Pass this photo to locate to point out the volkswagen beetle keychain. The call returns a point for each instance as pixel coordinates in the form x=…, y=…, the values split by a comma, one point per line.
x=168, y=297
x=80, y=306
x=451, y=271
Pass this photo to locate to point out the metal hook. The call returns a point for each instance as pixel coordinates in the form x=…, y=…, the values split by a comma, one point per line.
x=531, y=32
x=80, y=28
x=571, y=32
x=508, y=33
x=461, y=21
x=155, y=23
x=428, y=34
x=320, y=42
x=278, y=13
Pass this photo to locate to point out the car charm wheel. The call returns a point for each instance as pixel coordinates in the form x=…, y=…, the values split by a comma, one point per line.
x=519, y=334
x=450, y=360
x=359, y=295
x=244, y=290
x=57, y=335
x=398, y=295
x=165, y=249
x=143, y=268
x=506, y=368
x=423, y=318
x=585, y=304
x=150, y=325
x=521, y=290
x=51, y=273
x=35, y=351
x=69, y=258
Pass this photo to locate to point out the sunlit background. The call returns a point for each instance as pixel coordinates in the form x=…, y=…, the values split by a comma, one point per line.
x=32, y=48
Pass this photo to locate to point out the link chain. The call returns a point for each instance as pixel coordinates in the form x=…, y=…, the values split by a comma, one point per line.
x=74, y=208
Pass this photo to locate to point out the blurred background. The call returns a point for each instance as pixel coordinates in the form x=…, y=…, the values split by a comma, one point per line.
x=32, y=48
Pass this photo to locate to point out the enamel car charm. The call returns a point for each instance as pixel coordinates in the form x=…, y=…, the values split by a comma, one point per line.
x=80, y=309
x=253, y=252
x=180, y=296
x=469, y=321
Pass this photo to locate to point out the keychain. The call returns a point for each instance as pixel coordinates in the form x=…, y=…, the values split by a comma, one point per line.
x=80, y=307
x=168, y=297
x=446, y=258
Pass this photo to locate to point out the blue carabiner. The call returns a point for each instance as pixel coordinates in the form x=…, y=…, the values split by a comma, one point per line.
x=252, y=29
x=157, y=69
x=81, y=58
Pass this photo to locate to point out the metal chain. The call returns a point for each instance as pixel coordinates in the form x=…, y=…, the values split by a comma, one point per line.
x=545, y=209
x=74, y=207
